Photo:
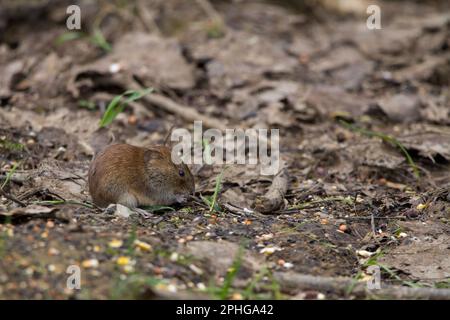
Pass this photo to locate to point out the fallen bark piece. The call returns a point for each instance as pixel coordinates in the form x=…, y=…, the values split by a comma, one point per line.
x=30, y=211
x=342, y=285
x=274, y=198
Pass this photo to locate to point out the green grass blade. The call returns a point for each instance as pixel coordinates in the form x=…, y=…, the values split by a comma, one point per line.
x=118, y=103
x=69, y=36
x=114, y=108
x=9, y=175
x=231, y=274
x=217, y=189
x=99, y=40
x=387, y=138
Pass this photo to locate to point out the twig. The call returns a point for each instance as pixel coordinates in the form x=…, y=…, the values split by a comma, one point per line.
x=209, y=9
x=373, y=217
x=12, y=198
x=187, y=113
x=147, y=18
x=296, y=281
x=240, y=211
x=274, y=197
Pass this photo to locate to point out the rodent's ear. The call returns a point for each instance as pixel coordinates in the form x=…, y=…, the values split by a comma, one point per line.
x=152, y=154
x=167, y=141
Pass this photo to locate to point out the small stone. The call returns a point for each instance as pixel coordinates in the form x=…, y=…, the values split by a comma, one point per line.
x=114, y=67
x=201, y=286
x=172, y=288
x=29, y=271
x=122, y=211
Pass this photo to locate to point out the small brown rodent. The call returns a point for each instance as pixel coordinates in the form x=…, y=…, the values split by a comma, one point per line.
x=135, y=176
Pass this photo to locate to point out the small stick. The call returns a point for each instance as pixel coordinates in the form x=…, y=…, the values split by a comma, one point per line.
x=187, y=113
x=14, y=199
x=274, y=197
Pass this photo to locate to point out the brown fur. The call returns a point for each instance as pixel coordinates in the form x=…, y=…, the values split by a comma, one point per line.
x=135, y=176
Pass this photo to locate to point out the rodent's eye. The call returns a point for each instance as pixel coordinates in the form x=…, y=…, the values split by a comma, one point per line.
x=181, y=172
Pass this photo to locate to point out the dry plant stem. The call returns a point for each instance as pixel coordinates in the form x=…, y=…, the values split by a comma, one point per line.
x=291, y=281
x=187, y=113
x=146, y=18
x=274, y=197
x=209, y=9
x=239, y=211
x=10, y=197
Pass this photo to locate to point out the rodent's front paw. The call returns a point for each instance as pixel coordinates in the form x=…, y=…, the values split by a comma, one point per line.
x=180, y=198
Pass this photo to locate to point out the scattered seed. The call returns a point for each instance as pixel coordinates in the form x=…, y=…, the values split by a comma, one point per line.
x=115, y=243
x=174, y=257
x=123, y=261
x=196, y=269
x=269, y=250
x=236, y=296
x=201, y=286
x=53, y=252
x=90, y=263
x=365, y=253
x=421, y=206
x=142, y=245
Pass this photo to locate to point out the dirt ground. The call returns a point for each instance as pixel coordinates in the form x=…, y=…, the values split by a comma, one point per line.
x=364, y=119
